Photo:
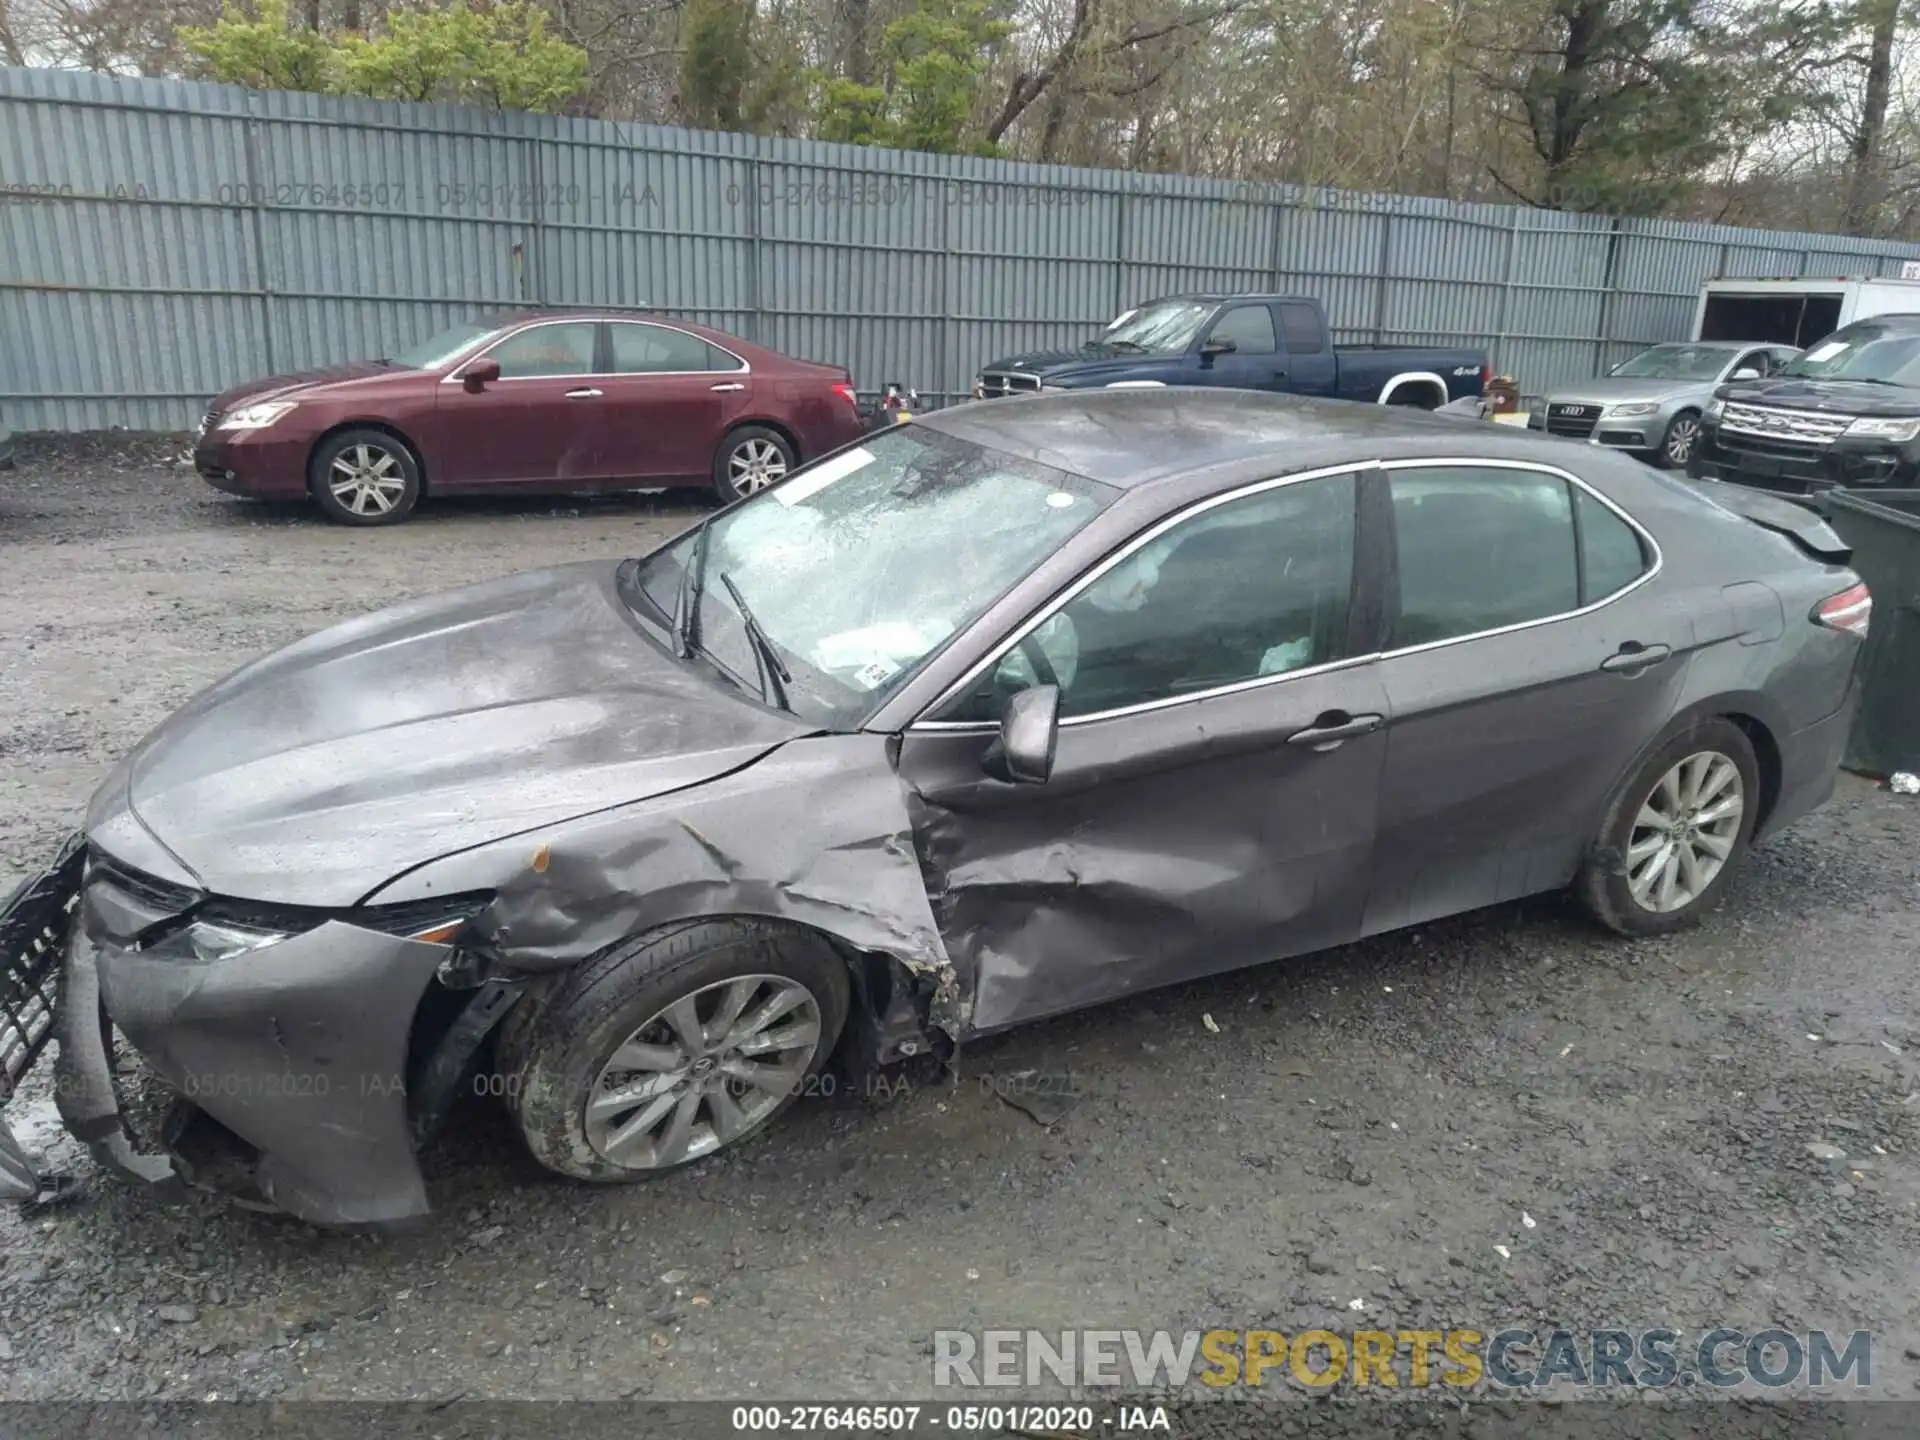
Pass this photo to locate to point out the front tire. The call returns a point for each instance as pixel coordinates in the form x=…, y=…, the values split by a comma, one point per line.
x=1675, y=833
x=1676, y=446
x=671, y=1047
x=749, y=459
x=364, y=477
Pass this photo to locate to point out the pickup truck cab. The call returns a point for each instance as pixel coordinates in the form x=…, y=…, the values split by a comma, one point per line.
x=1846, y=412
x=1243, y=342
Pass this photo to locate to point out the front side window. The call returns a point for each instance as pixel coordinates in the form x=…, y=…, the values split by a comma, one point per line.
x=654, y=349
x=1868, y=350
x=1254, y=587
x=545, y=350
x=858, y=568
x=1249, y=327
x=1480, y=549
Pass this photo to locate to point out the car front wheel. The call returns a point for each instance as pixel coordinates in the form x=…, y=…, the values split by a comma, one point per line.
x=1675, y=833
x=364, y=477
x=673, y=1047
x=1676, y=446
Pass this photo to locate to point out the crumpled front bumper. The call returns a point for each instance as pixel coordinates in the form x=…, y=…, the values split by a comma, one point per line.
x=295, y=1065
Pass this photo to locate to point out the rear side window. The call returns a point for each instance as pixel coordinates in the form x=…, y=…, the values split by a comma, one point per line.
x=1481, y=549
x=1611, y=556
x=1300, y=324
x=1249, y=327
x=654, y=350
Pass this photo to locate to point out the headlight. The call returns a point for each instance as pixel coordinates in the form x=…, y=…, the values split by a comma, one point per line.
x=1714, y=407
x=225, y=929
x=1638, y=407
x=1885, y=429
x=256, y=417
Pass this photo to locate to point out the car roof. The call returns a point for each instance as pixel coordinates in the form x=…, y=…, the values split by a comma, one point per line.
x=1131, y=438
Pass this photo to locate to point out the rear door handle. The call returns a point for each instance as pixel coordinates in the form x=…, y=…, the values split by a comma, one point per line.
x=582, y=394
x=735, y=386
x=1633, y=657
x=1333, y=729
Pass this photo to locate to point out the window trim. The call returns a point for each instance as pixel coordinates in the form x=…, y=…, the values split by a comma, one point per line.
x=1360, y=469
x=1536, y=467
x=1357, y=468
x=1220, y=315
x=743, y=368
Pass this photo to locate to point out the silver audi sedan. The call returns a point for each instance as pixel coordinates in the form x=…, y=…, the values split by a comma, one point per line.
x=1650, y=405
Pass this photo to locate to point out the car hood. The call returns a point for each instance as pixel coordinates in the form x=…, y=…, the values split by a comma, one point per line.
x=282, y=387
x=314, y=775
x=1618, y=391
x=1089, y=360
x=1839, y=397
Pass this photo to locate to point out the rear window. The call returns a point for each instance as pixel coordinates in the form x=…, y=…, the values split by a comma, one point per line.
x=1611, y=556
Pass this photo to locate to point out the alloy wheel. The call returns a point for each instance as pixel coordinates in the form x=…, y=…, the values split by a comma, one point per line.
x=1680, y=437
x=1684, y=832
x=367, y=479
x=706, y=1070
x=755, y=464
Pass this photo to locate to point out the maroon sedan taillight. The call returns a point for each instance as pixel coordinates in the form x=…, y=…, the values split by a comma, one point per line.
x=845, y=391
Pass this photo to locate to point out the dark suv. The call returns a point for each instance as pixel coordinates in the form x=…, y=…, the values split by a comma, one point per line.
x=1847, y=412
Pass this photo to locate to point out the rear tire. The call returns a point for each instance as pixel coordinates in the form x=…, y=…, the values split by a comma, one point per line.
x=589, y=1063
x=749, y=459
x=1669, y=842
x=364, y=477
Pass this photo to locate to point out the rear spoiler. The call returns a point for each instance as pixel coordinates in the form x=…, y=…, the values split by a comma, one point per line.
x=1797, y=519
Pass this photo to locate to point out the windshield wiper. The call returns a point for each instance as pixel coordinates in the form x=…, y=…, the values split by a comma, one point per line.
x=686, y=625
x=1128, y=345
x=774, y=676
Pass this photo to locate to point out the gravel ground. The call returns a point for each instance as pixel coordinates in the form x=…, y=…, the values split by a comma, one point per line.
x=1346, y=1138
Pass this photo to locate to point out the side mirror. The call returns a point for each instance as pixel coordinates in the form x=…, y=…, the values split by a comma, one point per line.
x=480, y=373
x=1022, y=753
x=1217, y=347
x=1745, y=372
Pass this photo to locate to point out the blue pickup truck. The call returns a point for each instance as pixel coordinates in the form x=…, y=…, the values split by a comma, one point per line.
x=1248, y=342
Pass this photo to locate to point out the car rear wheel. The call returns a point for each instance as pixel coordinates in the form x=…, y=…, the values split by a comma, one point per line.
x=364, y=477
x=1676, y=446
x=1675, y=833
x=750, y=458
x=672, y=1047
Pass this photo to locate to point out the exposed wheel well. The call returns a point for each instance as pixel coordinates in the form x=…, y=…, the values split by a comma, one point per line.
x=1766, y=755
x=785, y=433
x=1420, y=394
x=395, y=431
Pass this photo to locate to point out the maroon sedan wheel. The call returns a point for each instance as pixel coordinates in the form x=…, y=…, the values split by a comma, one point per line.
x=751, y=458
x=365, y=477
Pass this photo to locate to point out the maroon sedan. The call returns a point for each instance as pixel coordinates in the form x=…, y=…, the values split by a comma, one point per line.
x=528, y=402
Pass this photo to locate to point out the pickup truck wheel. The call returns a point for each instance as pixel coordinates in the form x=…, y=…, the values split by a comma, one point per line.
x=1676, y=446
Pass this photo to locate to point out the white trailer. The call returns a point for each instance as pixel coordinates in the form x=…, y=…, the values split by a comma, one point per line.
x=1803, y=311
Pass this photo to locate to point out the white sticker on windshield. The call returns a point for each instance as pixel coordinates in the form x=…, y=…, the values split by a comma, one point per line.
x=1059, y=500
x=872, y=677
x=1826, y=351
x=804, y=486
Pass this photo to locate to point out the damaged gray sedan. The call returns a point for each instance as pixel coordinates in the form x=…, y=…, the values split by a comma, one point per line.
x=1012, y=710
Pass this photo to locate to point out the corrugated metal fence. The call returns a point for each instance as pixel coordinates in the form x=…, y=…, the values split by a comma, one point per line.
x=163, y=240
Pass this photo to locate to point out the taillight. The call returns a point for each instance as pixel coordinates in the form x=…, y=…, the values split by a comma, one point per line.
x=1849, y=611
x=846, y=392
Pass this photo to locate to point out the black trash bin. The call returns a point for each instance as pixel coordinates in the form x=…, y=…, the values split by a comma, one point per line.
x=1883, y=528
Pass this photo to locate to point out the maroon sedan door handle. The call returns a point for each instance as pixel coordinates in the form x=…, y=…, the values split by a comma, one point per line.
x=1632, y=658
x=588, y=394
x=1330, y=730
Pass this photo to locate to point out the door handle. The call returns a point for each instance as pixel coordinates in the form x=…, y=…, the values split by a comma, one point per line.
x=734, y=386
x=1334, y=728
x=1632, y=658
x=582, y=394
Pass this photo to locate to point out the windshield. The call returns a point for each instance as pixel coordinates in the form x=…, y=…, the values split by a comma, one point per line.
x=1166, y=327
x=858, y=568
x=429, y=354
x=1677, y=362
x=1868, y=351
